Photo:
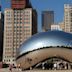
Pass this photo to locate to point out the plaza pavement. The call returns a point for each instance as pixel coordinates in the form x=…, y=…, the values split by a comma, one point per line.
x=7, y=70
x=17, y=70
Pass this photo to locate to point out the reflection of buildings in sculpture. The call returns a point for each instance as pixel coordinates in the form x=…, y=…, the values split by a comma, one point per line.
x=43, y=46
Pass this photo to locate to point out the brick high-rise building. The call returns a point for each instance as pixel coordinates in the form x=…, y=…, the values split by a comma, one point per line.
x=68, y=17
x=20, y=24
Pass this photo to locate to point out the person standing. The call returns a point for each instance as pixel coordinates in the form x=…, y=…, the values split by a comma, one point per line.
x=10, y=67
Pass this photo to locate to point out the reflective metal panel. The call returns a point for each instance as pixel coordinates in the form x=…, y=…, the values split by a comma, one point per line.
x=46, y=39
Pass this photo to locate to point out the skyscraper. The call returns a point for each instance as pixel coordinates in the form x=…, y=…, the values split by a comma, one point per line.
x=62, y=25
x=19, y=26
x=47, y=20
x=68, y=17
x=1, y=34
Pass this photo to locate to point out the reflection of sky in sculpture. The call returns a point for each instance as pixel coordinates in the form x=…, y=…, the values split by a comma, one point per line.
x=46, y=39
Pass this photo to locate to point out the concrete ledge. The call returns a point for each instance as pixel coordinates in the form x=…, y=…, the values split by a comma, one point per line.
x=17, y=70
x=48, y=71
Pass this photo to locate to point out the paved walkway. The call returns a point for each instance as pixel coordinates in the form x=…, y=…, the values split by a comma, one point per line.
x=50, y=71
x=16, y=70
x=7, y=70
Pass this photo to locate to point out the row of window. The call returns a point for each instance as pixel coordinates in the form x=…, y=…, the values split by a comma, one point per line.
x=18, y=11
x=25, y=18
x=9, y=34
x=26, y=12
x=7, y=56
x=25, y=30
x=27, y=27
x=18, y=26
x=9, y=22
x=15, y=14
x=8, y=49
x=8, y=60
x=18, y=30
x=9, y=19
x=27, y=33
x=9, y=12
x=16, y=37
x=20, y=22
x=27, y=37
x=9, y=41
x=27, y=15
x=68, y=20
x=18, y=18
x=26, y=22
x=16, y=45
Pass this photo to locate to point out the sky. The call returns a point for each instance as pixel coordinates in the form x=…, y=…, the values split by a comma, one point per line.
x=44, y=5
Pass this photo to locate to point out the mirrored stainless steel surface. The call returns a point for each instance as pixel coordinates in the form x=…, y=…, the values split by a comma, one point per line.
x=46, y=39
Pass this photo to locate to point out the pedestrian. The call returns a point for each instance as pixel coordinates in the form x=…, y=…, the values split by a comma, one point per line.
x=10, y=67
x=19, y=67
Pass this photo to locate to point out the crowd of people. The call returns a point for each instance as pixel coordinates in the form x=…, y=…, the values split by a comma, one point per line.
x=11, y=66
x=47, y=66
x=57, y=66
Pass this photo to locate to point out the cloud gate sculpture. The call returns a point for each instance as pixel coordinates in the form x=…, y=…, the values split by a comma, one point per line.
x=45, y=47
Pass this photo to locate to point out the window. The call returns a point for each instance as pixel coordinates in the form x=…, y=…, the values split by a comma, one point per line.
x=9, y=60
x=4, y=60
x=13, y=60
x=71, y=20
x=70, y=14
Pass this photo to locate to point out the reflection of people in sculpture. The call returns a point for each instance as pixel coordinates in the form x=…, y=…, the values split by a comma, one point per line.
x=29, y=60
x=67, y=65
x=55, y=66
